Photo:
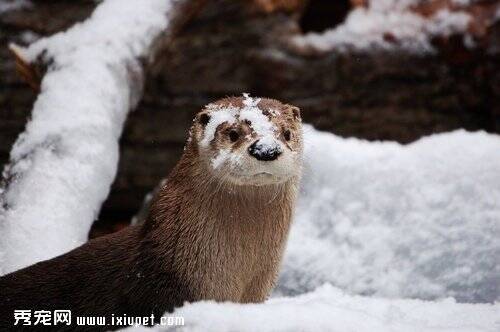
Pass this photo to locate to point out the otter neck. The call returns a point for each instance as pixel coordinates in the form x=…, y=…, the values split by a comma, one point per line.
x=198, y=188
x=220, y=236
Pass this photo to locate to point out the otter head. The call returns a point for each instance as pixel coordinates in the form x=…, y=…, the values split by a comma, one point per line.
x=249, y=141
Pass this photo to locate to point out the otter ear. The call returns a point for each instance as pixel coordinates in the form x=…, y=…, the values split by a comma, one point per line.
x=295, y=112
x=204, y=118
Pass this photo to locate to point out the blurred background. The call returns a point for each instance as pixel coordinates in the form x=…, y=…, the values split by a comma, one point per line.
x=377, y=70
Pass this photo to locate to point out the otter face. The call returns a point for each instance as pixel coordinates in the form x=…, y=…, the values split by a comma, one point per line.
x=249, y=141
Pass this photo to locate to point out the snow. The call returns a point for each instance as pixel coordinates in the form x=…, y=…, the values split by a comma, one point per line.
x=462, y=2
x=259, y=122
x=220, y=158
x=447, y=23
x=376, y=223
x=330, y=309
x=419, y=220
x=218, y=116
x=64, y=163
x=10, y=5
x=386, y=24
x=225, y=155
x=265, y=147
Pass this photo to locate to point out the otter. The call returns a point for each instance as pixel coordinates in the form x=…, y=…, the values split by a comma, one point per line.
x=216, y=229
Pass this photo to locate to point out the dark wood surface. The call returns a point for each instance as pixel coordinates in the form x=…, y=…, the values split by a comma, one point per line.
x=230, y=48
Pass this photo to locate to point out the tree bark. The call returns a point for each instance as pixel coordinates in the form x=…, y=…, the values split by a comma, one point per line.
x=244, y=46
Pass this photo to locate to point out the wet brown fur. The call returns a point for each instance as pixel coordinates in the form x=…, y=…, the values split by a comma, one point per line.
x=202, y=239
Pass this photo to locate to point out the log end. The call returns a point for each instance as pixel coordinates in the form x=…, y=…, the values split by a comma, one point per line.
x=27, y=71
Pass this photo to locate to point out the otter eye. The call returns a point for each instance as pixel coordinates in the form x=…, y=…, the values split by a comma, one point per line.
x=287, y=134
x=233, y=135
x=204, y=118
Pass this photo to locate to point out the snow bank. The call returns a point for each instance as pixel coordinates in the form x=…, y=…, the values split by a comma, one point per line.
x=386, y=24
x=330, y=309
x=383, y=219
x=420, y=221
x=62, y=166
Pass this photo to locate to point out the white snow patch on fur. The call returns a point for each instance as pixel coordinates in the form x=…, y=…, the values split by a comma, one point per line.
x=226, y=155
x=218, y=116
x=266, y=145
x=259, y=122
x=220, y=158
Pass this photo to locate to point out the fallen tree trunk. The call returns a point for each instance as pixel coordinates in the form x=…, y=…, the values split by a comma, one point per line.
x=298, y=51
x=62, y=165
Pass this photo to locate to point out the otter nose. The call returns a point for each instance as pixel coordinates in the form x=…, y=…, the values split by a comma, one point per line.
x=264, y=152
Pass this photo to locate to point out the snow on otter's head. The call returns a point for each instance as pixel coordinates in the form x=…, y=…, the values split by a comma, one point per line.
x=250, y=141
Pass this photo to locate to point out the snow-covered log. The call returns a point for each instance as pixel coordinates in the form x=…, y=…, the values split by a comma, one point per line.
x=62, y=166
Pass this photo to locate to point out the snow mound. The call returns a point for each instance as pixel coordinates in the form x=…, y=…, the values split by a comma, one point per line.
x=389, y=220
x=62, y=166
x=419, y=221
x=330, y=309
